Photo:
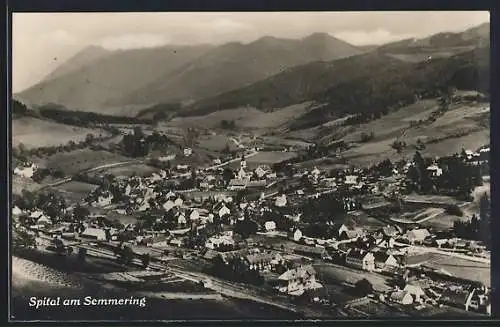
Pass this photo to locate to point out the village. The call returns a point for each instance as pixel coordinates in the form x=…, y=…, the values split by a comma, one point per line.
x=270, y=232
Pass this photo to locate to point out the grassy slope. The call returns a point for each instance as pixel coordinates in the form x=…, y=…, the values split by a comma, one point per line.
x=33, y=132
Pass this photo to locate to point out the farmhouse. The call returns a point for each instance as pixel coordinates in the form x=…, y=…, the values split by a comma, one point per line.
x=238, y=184
x=383, y=260
x=434, y=170
x=417, y=235
x=415, y=291
x=295, y=234
x=262, y=261
x=26, y=171
x=98, y=234
x=270, y=226
x=312, y=251
x=214, y=242
x=280, y=201
x=168, y=205
x=360, y=259
x=296, y=281
x=401, y=297
x=188, y=152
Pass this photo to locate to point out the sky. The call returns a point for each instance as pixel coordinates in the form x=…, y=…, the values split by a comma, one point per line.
x=42, y=41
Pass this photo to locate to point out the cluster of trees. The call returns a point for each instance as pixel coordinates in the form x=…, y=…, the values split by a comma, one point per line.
x=457, y=178
x=362, y=118
x=227, y=124
x=22, y=239
x=40, y=174
x=60, y=114
x=51, y=203
x=235, y=270
x=398, y=145
x=22, y=153
x=477, y=228
x=384, y=168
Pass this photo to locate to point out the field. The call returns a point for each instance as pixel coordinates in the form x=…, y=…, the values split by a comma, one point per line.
x=334, y=274
x=129, y=170
x=216, y=142
x=463, y=268
x=456, y=129
x=244, y=118
x=79, y=160
x=74, y=191
x=35, y=133
x=270, y=157
x=21, y=183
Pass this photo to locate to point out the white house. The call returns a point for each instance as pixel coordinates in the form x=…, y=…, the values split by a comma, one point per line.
x=94, y=233
x=260, y=172
x=170, y=195
x=182, y=167
x=401, y=297
x=360, y=259
x=295, y=235
x=223, y=211
x=43, y=220
x=188, y=152
x=194, y=215
x=181, y=219
x=270, y=226
x=415, y=291
x=16, y=211
x=168, y=205
x=434, y=170
x=242, y=173
x=280, y=201
x=215, y=241
x=178, y=202
x=417, y=235
x=351, y=179
x=26, y=171
x=104, y=200
x=128, y=189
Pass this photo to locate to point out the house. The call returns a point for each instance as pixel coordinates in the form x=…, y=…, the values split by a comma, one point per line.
x=167, y=158
x=312, y=251
x=270, y=226
x=260, y=172
x=222, y=210
x=214, y=242
x=297, y=280
x=158, y=241
x=261, y=261
x=168, y=205
x=178, y=202
x=43, y=220
x=170, y=195
x=242, y=173
x=188, y=152
x=238, y=184
x=351, y=234
x=383, y=260
x=351, y=179
x=360, y=259
x=458, y=297
x=417, y=235
x=98, y=234
x=176, y=242
x=280, y=201
x=194, y=215
x=434, y=171
x=401, y=297
x=26, y=171
x=389, y=231
x=295, y=235
x=181, y=219
x=415, y=291
x=16, y=211
x=182, y=167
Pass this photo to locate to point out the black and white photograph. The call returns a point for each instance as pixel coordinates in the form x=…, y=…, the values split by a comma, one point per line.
x=263, y=166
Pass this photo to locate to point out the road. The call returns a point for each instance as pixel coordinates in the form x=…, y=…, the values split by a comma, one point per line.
x=451, y=254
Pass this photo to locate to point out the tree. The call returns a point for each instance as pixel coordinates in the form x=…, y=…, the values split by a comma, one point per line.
x=80, y=213
x=125, y=255
x=484, y=218
x=82, y=254
x=89, y=138
x=145, y=258
x=363, y=287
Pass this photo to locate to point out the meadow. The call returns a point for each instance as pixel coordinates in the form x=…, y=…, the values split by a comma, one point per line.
x=34, y=133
